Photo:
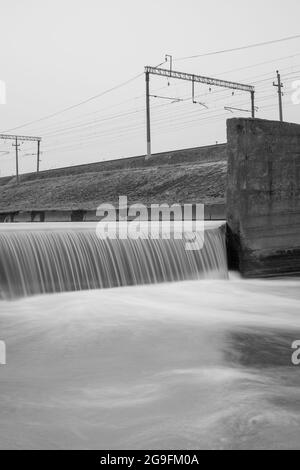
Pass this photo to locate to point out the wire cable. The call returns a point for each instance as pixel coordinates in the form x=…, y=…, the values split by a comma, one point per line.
x=241, y=48
x=57, y=113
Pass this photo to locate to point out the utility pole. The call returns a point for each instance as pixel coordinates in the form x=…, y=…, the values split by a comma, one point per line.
x=253, y=104
x=38, y=156
x=279, y=86
x=147, y=75
x=16, y=145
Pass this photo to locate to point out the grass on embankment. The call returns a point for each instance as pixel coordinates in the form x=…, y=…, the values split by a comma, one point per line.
x=181, y=183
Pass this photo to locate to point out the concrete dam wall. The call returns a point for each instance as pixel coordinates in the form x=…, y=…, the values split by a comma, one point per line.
x=263, y=197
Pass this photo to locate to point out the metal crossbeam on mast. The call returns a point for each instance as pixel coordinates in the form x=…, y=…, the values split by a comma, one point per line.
x=198, y=78
x=20, y=137
x=194, y=79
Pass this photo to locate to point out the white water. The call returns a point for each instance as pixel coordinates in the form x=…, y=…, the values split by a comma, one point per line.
x=198, y=364
x=43, y=258
x=202, y=364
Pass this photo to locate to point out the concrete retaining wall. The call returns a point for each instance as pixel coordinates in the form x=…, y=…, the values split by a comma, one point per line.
x=211, y=212
x=263, y=197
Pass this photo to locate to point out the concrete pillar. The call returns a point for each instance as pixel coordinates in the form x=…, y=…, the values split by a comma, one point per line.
x=263, y=197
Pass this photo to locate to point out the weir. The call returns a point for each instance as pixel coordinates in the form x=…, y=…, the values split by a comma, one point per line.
x=61, y=258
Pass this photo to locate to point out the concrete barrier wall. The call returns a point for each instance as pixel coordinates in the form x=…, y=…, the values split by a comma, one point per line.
x=211, y=212
x=263, y=197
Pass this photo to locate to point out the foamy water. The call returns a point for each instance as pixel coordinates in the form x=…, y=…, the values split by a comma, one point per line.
x=61, y=257
x=201, y=364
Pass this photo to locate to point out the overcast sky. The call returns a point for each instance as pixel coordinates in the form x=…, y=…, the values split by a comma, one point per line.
x=57, y=53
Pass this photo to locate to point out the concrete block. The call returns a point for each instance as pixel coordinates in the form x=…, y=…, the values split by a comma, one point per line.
x=263, y=196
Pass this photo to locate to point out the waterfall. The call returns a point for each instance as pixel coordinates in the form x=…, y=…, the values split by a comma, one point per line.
x=37, y=261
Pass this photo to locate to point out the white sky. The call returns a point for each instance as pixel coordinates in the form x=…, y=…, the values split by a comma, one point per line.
x=59, y=52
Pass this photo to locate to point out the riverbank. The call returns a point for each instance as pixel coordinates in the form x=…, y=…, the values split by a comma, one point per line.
x=182, y=183
x=185, y=176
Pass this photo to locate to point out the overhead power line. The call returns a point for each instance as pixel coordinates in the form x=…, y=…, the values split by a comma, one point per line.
x=163, y=112
x=53, y=126
x=77, y=104
x=86, y=131
x=241, y=48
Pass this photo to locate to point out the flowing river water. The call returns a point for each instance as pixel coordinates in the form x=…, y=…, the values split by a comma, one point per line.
x=182, y=356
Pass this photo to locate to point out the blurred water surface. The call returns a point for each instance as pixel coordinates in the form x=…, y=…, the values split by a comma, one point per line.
x=202, y=364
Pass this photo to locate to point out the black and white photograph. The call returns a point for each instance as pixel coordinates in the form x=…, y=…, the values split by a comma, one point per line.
x=149, y=228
